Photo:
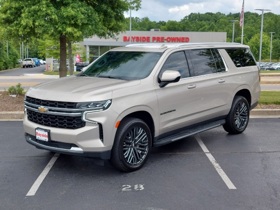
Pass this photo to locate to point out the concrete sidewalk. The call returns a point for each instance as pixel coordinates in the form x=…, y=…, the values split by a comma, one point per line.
x=26, y=80
x=270, y=78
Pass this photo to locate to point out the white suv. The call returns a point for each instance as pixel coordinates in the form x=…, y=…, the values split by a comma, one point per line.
x=141, y=96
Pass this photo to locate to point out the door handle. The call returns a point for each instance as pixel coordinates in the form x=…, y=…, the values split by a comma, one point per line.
x=221, y=81
x=191, y=86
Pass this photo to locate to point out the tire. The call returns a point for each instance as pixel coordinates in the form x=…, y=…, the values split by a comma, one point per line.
x=238, y=117
x=132, y=145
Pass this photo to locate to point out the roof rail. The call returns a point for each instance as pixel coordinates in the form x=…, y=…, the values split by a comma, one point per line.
x=168, y=44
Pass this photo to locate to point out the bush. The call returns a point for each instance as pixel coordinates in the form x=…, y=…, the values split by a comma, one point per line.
x=16, y=90
x=8, y=61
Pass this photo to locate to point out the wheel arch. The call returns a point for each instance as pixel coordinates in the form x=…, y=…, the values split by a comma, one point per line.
x=146, y=117
x=246, y=94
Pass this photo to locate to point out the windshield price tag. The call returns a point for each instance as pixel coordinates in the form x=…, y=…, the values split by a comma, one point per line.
x=42, y=134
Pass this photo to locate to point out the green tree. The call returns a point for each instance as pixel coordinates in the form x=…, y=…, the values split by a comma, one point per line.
x=48, y=47
x=276, y=50
x=172, y=25
x=9, y=55
x=254, y=44
x=67, y=20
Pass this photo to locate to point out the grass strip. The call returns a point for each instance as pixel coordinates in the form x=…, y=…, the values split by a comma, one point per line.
x=270, y=97
x=270, y=71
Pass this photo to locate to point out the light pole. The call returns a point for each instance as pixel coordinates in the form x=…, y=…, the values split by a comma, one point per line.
x=271, y=33
x=233, y=27
x=130, y=17
x=260, y=53
x=130, y=23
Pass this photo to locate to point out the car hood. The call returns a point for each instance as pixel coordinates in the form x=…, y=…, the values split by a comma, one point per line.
x=78, y=89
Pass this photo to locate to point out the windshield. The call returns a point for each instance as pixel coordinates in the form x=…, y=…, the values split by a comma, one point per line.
x=123, y=65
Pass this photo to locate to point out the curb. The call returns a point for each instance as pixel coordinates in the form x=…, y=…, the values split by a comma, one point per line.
x=4, y=116
x=269, y=113
x=255, y=113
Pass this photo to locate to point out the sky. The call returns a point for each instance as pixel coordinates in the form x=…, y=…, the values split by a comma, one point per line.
x=164, y=10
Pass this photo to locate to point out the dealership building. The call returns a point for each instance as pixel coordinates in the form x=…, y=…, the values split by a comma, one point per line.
x=96, y=46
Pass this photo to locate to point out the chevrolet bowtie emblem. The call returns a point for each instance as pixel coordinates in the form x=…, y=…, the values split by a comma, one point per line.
x=42, y=109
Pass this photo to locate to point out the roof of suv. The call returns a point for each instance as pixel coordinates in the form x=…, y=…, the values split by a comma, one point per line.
x=160, y=47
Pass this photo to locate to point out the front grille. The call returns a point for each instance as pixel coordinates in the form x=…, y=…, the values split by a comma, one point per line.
x=58, y=114
x=56, y=121
x=57, y=104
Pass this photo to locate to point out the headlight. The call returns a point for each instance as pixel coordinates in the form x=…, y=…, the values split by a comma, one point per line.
x=95, y=105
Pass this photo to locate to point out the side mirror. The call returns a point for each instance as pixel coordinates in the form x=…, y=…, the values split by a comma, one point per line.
x=169, y=76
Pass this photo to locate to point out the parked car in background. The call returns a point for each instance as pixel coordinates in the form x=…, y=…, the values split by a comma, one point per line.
x=274, y=66
x=269, y=66
x=266, y=65
x=36, y=61
x=42, y=62
x=81, y=65
x=28, y=62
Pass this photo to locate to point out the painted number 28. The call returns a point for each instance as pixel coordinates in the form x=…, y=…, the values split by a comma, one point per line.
x=136, y=187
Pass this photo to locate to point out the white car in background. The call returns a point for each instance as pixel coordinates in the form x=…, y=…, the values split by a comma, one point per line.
x=275, y=66
x=42, y=62
x=28, y=62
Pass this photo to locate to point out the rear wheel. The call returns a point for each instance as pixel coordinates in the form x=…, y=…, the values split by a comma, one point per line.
x=132, y=145
x=238, y=117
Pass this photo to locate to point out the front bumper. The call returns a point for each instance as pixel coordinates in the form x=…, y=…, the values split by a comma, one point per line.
x=85, y=141
x=66, y=148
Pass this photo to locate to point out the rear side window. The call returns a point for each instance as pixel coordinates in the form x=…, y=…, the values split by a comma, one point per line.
x=241, y=57
x=205, y=61
x=220, y=66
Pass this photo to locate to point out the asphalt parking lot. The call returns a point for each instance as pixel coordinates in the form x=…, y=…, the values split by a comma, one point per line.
x=211, y=170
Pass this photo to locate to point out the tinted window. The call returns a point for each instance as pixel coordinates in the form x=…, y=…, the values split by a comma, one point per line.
x=205, y=61
x=220, y=66
x=177, y=61
x=241, y=57
x=123, y=65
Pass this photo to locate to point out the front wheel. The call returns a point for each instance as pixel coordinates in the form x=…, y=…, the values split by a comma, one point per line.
x=132, y=145
x=238, y=117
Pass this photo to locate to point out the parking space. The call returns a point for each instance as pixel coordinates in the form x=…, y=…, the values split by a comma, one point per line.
x=182, y=175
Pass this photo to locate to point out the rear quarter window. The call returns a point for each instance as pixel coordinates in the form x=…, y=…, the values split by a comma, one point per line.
x=205, y=61
x=241, y=57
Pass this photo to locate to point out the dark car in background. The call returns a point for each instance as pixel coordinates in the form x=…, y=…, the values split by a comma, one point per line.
x=81, y=65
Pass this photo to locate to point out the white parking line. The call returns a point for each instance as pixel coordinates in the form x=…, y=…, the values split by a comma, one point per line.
x=216, y=165
x=42, y=176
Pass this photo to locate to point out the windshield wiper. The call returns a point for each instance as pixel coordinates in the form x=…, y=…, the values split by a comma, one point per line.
x=110, y=77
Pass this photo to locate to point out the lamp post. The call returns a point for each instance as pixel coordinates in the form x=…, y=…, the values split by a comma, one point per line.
x=271, y=33
x=130, y=23
x=130, y=18
x=233, y=27
x=260, y=53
